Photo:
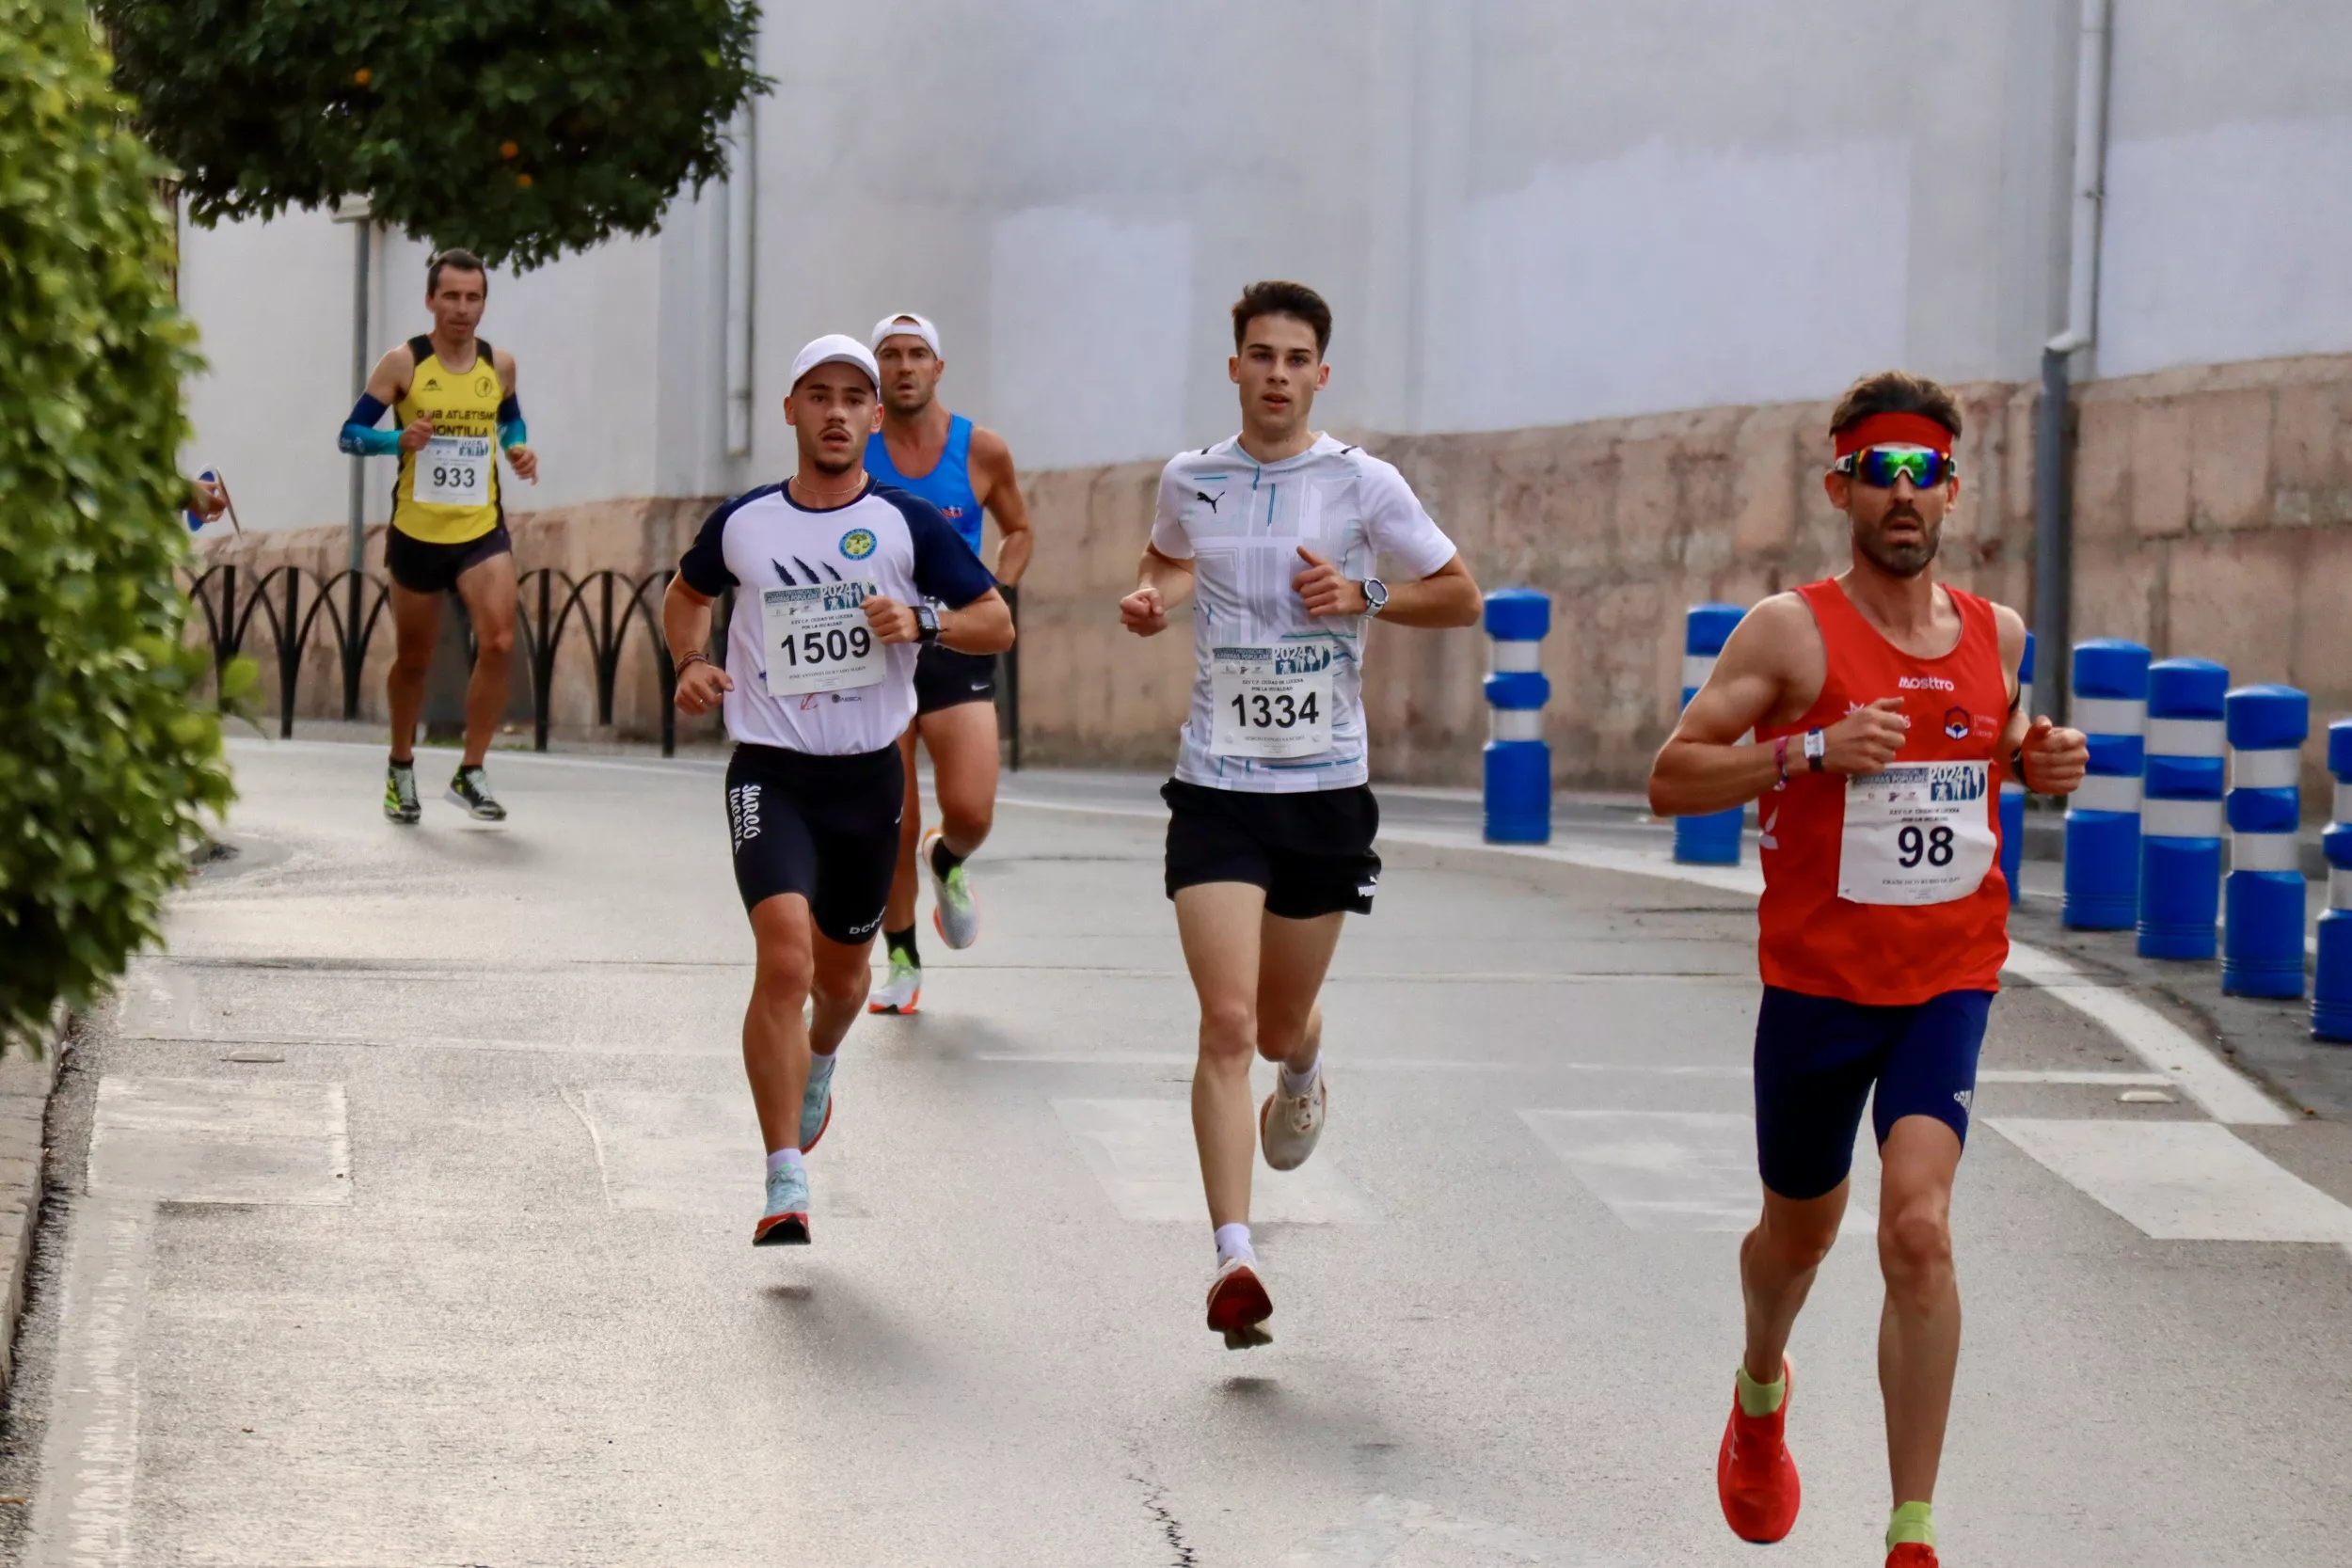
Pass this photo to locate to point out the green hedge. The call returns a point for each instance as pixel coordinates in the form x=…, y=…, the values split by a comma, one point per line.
x=520, y=128
x=106, y=765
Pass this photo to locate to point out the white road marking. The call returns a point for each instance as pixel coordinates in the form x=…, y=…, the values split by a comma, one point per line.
x=1393, y=1532
x=701, y=1153
x=220, y=1140
x=1667, y=1170
x=1142, y=1151
x=2182, y=1181
x=90, y=1458
x=2097, y=1080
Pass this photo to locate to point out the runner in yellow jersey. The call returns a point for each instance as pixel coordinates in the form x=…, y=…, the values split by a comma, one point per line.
x=453, y=402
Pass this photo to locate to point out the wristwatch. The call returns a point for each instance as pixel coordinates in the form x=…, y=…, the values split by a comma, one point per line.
x=926, y=625
x=1376, y=595
x=1815, y=748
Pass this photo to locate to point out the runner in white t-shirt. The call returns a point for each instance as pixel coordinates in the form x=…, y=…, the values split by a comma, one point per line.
x=831, y=573
x=1274, y=533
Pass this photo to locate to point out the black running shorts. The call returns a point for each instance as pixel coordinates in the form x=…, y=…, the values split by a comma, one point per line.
x=423, y=568
x=825, y=828
x=945, y=678
x=1311, y=851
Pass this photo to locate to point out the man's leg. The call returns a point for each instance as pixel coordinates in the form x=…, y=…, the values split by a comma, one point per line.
x=416, y=626
x=775, y=1035
x=1919, y=1329
x=899, y=915
x=1291, y=958
x=961, y=740
x=1778, y=1261
x=1220, y=924
x=842, y=976
x=488, y=588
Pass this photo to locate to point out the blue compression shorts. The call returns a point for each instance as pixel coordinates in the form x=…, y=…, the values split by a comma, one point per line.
x=1818, y=1058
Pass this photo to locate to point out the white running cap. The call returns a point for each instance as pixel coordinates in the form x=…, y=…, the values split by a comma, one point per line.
x=836, y=348
x=907, y=323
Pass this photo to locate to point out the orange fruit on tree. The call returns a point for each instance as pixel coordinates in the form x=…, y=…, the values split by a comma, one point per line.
x=508, y=150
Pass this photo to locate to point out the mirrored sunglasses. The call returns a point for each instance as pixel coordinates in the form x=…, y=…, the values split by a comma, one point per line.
x=1879, y=467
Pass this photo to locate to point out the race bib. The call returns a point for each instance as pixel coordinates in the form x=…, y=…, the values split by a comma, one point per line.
x=1918, y=833
x=817, y=638
x=454, y=470
x=1272, y=701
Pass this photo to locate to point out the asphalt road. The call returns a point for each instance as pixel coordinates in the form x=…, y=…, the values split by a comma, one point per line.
x=399, y=1216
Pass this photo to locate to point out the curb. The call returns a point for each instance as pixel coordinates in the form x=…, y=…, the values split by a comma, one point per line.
x=25, y=1085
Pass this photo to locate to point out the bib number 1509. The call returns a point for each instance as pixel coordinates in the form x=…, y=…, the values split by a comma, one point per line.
x=833, y=645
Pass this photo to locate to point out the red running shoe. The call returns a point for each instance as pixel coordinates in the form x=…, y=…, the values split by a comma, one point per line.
x=1239, y=1306
x=1756, y=1479
x=1912, y=1555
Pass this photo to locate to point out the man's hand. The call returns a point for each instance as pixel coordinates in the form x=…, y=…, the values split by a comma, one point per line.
x=1144, y=612
x=701, y=685
x=207, y=498
x=526, y=462
x=2055, y=758
x=892, y=621
x=1326, y=592
x=420, y=430
x=1866, y=740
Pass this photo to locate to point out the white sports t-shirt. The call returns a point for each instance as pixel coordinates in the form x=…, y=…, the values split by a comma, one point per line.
x=1241, y=524
x=858, y=696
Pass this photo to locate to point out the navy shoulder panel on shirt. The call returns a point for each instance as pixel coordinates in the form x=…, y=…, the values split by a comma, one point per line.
x=705, y=564
x=945, y=567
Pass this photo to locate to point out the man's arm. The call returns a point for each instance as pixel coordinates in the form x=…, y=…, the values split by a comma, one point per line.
x=513, y=434
x=1162, y=583
x=1704, y=768
x=1000, y=495
x=686, y=632
x=1448, y=596
x=386, y=385
x=2056, y=757
x=983, y=626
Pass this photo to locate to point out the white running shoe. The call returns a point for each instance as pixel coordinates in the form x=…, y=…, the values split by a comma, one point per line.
x=902, y=991
x=1288, y=1124
x=1239, y=1306
x=954, y=914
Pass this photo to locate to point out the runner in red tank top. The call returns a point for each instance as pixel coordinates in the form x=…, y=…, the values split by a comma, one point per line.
x=1883, y=709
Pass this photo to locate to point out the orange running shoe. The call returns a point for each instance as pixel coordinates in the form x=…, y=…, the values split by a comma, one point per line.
x=1755, y=1477
x=1912, y=1555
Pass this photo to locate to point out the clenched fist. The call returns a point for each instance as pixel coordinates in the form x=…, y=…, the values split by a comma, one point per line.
x=1866, y=740
x=2055, y=758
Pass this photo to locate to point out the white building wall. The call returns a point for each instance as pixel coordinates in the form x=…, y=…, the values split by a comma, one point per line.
x=1524, y=211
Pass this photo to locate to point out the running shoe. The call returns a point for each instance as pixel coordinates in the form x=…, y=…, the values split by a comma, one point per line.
x=1755, y=1477
x=953, y=911
x=785, y=1222
x=816, y=1111
x=902, y=991
x=1912, y=1555
x=469, y=787
x=1288, y=1124
x=1239, y=1305
x=400, y=793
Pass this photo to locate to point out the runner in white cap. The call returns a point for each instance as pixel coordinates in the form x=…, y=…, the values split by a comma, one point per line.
x=1270, y=815
x=962, y=470
x=839, y=584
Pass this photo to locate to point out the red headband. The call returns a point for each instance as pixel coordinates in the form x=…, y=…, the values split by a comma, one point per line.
x=1879, y=430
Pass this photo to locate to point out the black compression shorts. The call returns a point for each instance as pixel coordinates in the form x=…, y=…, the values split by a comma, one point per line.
x=423, y=568
x=825, y=828
x=1311, y=850
x=946, y=679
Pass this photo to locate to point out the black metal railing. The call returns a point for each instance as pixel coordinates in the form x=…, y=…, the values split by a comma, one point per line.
x=292, y=602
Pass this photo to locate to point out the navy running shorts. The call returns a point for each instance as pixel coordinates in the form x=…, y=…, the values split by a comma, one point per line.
x=825, y=828
x=1818, y=1057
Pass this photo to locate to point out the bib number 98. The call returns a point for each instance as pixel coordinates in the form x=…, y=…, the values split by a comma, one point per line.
x=1933, y=846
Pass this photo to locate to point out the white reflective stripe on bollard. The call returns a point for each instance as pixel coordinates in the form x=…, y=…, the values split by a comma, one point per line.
x=2344, y=803
x=2280, y=769
x=2182, y=818
x=2111, y=716
x=1695, y=669
x=2188, y=738
x=2265, y=853
x=2339, y=889
x=1514, y=723
x=1512, y=658
x=2106, y=792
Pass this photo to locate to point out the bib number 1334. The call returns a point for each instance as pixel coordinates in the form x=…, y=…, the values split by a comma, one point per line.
x=1272, y=702
x=1917, y=833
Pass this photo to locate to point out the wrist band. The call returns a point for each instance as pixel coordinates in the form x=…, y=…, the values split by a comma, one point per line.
x=689, y=660
x=1780, y=757
x=2017, y=766
x=1815, y=748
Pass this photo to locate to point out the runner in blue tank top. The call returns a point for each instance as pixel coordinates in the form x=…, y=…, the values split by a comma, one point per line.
x=962, y=470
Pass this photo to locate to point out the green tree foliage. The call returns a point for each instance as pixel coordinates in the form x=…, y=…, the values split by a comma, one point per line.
x=105, y=762
x=519, y=128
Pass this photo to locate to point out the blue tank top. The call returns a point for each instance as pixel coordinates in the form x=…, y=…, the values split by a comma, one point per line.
x=947, y=487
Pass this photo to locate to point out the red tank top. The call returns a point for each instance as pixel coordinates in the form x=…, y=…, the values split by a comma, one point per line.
x=1872, y=891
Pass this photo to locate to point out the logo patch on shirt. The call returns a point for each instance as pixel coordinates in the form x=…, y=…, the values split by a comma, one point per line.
x=1204, y=496
x=858, y=544
x=1957, y=723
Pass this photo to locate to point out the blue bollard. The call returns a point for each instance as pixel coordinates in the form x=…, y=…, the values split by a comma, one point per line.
x=1518, y=761
x=2103, y=816
x=2332, y=993
x=2013, y=793
x=2262, y=944
x=2181, y=817
x=1713, y=839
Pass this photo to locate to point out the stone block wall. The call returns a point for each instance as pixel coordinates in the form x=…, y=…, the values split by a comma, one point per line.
x=2213, y=517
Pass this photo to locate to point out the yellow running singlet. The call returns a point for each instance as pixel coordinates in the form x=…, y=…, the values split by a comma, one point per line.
x=448, y=493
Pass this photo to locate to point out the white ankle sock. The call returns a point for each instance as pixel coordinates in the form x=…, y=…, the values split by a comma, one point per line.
x=821, y=1066
x=782, y=1158
x=1232, y=1241
x=1296, y=1084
